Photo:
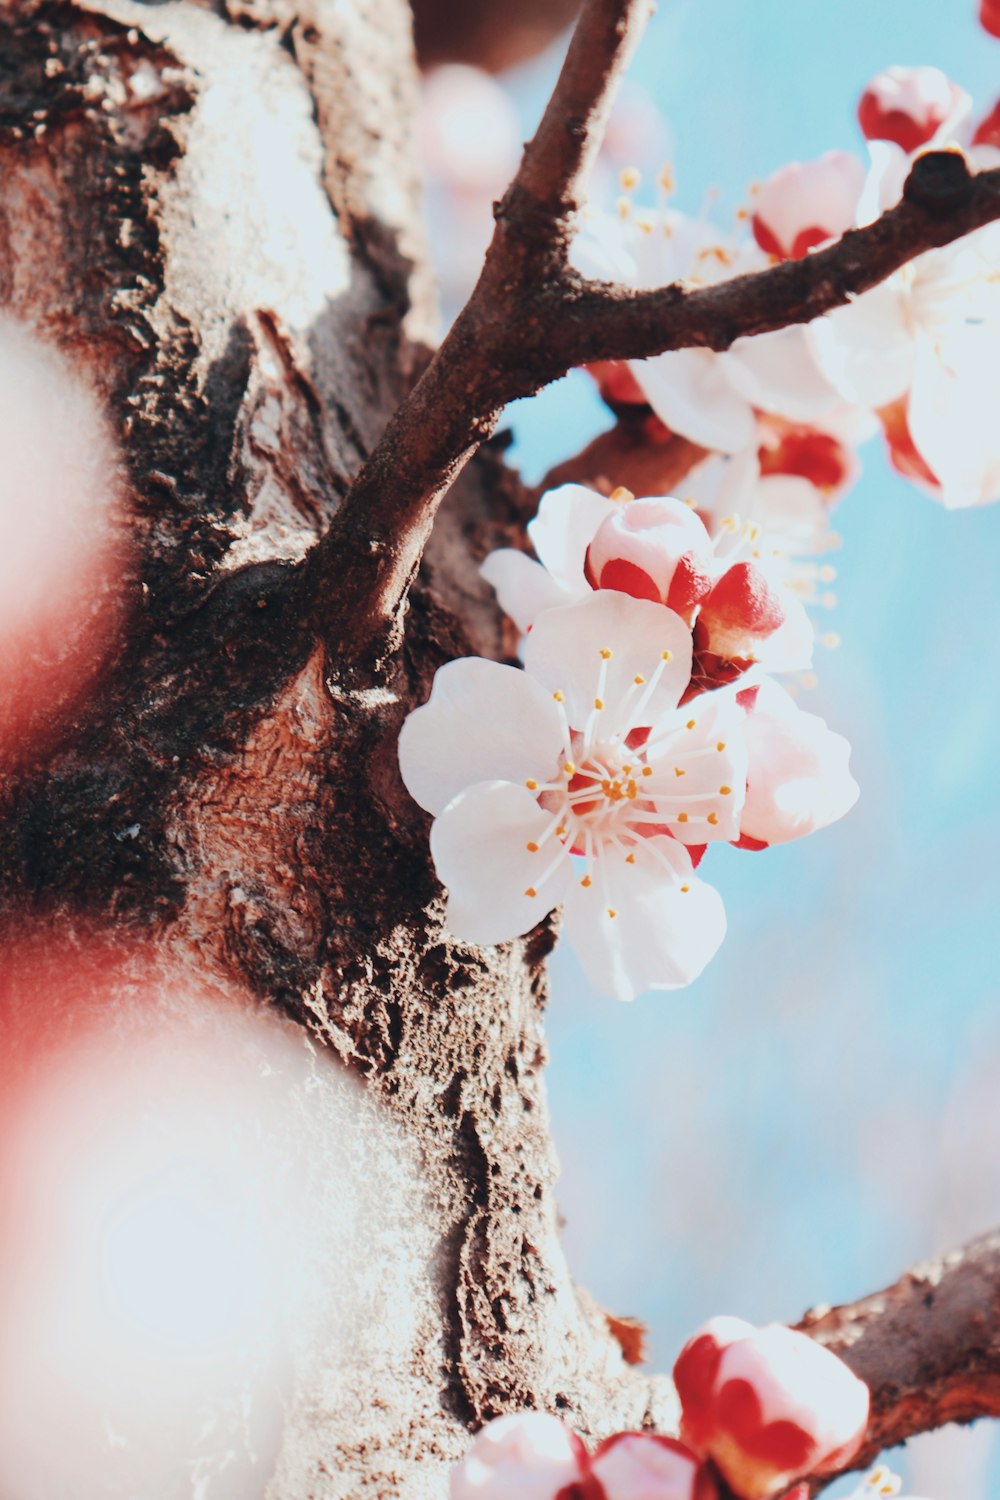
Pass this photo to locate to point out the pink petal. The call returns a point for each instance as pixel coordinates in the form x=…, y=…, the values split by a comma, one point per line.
x=690, y=390
x=563, y=529
x=491, y=854
x=798, y=780
x=566, y=652
x=522, y=586
x=530, y=1455
x=482, y=721
x=643, y=1466
x=666, y=927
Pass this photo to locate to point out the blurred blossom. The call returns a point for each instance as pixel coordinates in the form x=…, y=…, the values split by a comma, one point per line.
x=60, y=552
x=168, y=1263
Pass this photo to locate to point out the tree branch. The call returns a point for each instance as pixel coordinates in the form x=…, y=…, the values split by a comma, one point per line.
x=531, y=318
x=928, y=1347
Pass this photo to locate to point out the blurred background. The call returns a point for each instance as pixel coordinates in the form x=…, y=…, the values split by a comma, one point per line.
x=820, y=1109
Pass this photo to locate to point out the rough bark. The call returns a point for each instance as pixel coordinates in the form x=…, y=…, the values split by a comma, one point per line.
x=210, y=208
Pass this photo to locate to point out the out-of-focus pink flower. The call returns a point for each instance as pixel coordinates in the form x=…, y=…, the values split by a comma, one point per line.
x=60, y=537
x=806, y=203
x=987, y=132
x=909, y=106
x=989, y=16
x=798, y=780
x=767, y=1405
x=528, y=1454
x=643, y=1466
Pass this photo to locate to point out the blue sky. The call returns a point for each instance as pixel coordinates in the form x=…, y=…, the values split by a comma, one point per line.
x=818, y=1110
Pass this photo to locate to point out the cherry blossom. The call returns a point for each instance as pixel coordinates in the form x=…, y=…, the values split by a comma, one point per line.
x=798, y=780
x=910, y=106
x=528, y=1454
x=658, y=548
x=707, y=397
x=767, y=1405
x=805, y=204
x=580, y=780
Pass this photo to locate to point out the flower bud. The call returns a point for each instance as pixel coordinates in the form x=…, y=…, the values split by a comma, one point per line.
x=528, y=1454
x=908, y=106
x=654, y=549
x=643, y=1466
x=742, y=610
x=807, y=202
x=987, y=132
x=768, y=1406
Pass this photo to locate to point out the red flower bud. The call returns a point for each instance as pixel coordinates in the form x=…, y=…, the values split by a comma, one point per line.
x=742, y=610
x=654, y=549
x=643, y=1466
x=767, y=1405
x=908, y=106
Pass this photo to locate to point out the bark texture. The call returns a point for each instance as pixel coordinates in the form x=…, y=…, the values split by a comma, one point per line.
x=210, y=209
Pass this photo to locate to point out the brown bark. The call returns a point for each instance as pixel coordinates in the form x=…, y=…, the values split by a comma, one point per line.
x=210, y=209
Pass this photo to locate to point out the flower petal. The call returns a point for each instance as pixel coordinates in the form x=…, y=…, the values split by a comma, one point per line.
x=780, y=372
x=489, y=852
x=798, y=778
x=563, y=529
x=866, y=348
x=522, y=586
x=690, y=391
x=667, y=923
x=482, y=720
x=701, y=751
x=603, y=648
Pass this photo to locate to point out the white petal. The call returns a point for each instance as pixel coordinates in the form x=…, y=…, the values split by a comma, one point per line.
x=866, y=348
x=522, y=586
x=952, y=419
x=480, y=848
x=790, y=647
x=662, y=935
x=780, y=372
x=482, y=720
x=563, y=530
x=798, y=779
x=690, y=391
x=694, y=794
x=566, y=651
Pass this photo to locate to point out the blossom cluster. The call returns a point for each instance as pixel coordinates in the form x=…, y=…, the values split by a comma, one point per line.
x=642, y=729
x=913, y=357
x=760, y=1410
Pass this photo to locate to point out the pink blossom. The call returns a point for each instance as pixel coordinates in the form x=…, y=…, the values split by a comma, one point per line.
x=798, y=780
x=909, y=106
x=582, y=781
x=767, y=1405
x=643, y=1466
x=658, y=549
x=805, y=204
x=528, y=1454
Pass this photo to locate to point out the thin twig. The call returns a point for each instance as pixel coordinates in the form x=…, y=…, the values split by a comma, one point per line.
x=927, y=1347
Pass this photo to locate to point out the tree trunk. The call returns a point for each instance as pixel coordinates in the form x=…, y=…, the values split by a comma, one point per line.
x=211, y=210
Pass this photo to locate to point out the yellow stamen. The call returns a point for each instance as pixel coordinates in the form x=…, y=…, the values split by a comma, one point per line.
x=559, y=695
x=531, y=784
x=586, y=881
x=679, y=772
x=691, y=723
x=647, y=770
x=682, y=817
x=629, y=179
x=611, y=912
x=598, y=703
x=531, y=891
x=721, y=745
x=713, y=818
x=531, y=846
x=725, y=791
x=638, y=679
x=630, y=859
x=605, y=654
x=569, y=768
x=685, y=888
x=666, y=656
x=621, y=495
